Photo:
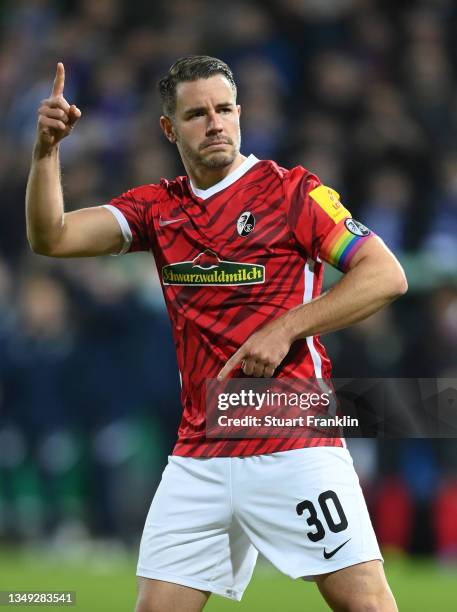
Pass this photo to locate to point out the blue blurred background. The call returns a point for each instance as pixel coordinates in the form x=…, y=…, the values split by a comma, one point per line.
x=363, y=93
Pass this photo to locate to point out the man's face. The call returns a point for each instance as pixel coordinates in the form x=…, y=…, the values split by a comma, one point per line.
x=207, y=122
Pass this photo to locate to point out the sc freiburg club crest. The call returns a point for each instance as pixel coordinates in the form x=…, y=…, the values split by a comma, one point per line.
x=245, y=223
x=207, y=269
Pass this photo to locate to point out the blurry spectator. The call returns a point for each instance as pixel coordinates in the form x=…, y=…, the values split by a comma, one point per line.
x=388, y=206
x=441, y=343
x=392, y=499
x=386, y=126
x=427, y=71
x=379, y=351
x=38, y=355
x=441, y=242
x=445, y=525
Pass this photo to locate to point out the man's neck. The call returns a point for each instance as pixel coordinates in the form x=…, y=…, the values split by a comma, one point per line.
x=204, y=178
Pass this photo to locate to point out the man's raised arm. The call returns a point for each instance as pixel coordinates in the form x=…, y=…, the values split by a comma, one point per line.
x=51, y=231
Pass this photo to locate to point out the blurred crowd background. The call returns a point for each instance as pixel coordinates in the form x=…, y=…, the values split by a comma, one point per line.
x=361, y=92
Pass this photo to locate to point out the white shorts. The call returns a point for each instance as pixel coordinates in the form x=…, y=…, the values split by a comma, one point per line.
x=302, y=509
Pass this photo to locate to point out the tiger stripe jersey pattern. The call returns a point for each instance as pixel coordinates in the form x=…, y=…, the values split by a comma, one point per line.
x=230, y=259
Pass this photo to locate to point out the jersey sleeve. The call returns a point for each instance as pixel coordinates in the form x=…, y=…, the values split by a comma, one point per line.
x=320, y=223
x=131, y=212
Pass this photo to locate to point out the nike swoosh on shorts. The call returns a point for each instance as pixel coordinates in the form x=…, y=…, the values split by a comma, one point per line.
x=329, y=555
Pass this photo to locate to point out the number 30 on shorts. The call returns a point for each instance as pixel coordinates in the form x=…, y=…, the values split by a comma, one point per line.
x=313, y=520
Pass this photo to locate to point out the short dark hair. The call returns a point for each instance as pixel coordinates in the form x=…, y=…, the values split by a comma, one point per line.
x=190, y=68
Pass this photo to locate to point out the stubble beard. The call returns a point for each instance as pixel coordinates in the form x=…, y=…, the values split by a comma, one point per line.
x=218, y=160
x=212, y=161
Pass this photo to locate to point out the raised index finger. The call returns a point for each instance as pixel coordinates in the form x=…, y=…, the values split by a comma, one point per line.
x=231, y=364
x=59, y=81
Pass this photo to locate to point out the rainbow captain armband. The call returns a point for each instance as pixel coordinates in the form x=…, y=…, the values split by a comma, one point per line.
x=343, y=242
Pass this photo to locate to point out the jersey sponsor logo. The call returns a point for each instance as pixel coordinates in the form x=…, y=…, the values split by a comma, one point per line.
x=356, y=228
x=207, y=269
x=329, y=200
x=245, y=223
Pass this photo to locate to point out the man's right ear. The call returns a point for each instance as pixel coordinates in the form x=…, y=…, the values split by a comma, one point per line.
x=167, y=128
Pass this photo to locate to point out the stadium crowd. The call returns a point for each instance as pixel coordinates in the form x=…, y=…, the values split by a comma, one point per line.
x=361, y=92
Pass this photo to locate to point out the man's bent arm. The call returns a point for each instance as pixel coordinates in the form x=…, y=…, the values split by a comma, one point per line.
x=86, y=232
x=375, y=279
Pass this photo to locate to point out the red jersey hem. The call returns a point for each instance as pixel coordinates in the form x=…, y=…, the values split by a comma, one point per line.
x=265, y=446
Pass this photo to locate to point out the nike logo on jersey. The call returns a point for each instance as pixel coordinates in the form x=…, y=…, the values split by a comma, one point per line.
x=329, y=555
x=164, y=222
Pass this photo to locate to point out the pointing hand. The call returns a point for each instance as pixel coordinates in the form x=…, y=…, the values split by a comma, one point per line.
x=262, y=352
x=56, y=117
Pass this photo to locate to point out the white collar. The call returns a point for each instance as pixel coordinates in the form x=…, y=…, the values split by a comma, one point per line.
x=228, y=180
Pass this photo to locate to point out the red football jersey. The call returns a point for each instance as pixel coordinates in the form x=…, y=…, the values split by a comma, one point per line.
x=230, y=259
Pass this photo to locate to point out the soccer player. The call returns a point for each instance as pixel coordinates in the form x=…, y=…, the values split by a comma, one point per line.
x=240, y=245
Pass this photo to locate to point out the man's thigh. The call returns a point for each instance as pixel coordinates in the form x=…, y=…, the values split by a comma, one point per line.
x=159, y=596
x=190, y=537
x=304, y=510
x=359, y=587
